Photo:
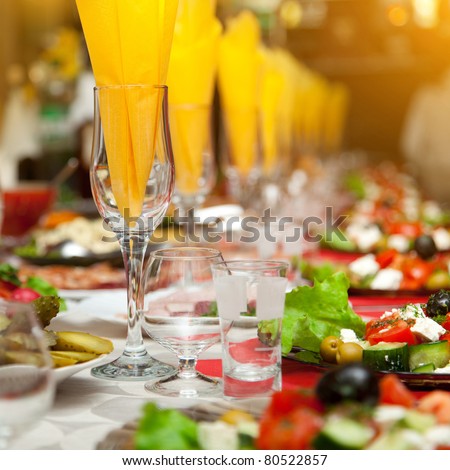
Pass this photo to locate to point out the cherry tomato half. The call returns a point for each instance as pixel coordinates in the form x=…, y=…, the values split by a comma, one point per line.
x=394, y=392
x=400, y=333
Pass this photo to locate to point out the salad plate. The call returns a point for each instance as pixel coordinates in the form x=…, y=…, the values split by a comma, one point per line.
x=410, y=340
x=385, y=274
x=348, y=409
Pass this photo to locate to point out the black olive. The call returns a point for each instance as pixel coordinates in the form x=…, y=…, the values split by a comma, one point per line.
x=425, y=246
x=438, y=303
x=351, y=382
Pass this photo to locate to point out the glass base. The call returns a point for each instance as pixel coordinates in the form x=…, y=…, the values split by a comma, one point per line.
x=196, y=386
x=133, y=368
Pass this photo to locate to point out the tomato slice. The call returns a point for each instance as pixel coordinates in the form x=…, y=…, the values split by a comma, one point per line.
x=374, y=326
x=385, y=258
x=285, y=401
x=410, y=284
x=289, y=432
x=399, y=333
x=408, y=229
x=378, y=324
x=394, y=392
x=446, y=323
x=418, y=269
x=445, y=337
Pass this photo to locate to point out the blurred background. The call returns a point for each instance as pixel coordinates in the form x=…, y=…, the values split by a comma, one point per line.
x=384, y=52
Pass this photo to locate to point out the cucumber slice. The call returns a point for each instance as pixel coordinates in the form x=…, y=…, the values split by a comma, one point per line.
x=343, y=434
x=425, y=369
x=418, y=421
x=436, y=353
x=397, y=439
x=387, y=357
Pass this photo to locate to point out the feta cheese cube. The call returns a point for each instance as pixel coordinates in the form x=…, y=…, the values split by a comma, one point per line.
x=348, y=336
x=218, y=435
x=438, y=435
x=365, y=236
x=428, y=329
x=441, y=237
x=387, y=279
x=388, y=313
x=399, y=243
x=411, y=311
x=389, y=414
x=443, y=370
x=364, y=266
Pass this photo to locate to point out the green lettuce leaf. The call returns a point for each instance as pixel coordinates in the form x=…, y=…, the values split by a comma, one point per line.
x=333, y=240
x=41, y=286
x=9, y=274
x=313, y=313
x=317, y=272
x=166, y=429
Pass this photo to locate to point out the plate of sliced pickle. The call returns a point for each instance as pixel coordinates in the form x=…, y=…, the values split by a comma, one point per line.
x=72, y=351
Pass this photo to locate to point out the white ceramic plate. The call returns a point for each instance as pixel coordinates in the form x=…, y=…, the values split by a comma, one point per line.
x=83, y=294
x=63, y=373
x=110, y=306
x=223, y=212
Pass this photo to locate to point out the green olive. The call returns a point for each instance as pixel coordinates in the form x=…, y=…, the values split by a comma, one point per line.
x=329, y=347
x=438, y=280
x=349, y=352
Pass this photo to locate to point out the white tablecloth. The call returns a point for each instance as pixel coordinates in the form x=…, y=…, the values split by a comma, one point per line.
x=86, y=408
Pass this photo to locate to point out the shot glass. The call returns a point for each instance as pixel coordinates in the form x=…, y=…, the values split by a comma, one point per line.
x=250, y=298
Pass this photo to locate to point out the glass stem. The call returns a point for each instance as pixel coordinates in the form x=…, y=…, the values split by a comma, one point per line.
x=187, y=367
x=186, y=216
x=133, y=247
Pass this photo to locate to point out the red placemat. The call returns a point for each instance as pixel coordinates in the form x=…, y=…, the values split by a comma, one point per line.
x=294, y=375
x=373, y=307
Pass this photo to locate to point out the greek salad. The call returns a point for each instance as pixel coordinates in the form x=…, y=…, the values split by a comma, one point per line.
x=390, y=212
x=413, y=338
x=349, y=409
x=386, y=271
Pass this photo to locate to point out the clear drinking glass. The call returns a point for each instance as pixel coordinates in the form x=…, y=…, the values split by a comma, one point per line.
x=191, y=134
x=181, y=316
x=250, y=302
x=132, y=180
x=27, y=383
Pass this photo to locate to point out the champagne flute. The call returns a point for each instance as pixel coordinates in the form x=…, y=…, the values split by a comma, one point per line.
x=27, y=382
x=241, y=152
x=191, y=135
x=132, y=180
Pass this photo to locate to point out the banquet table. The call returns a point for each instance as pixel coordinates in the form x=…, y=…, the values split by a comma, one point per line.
x=86, y=409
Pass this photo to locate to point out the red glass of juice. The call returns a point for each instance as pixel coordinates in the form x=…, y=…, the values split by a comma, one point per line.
x=23, y=207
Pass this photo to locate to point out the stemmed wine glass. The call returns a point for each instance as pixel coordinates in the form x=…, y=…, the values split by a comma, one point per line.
x=182, y=316
x=242, y=152
x=132, y=180
x=191, y=134
x=27, y=383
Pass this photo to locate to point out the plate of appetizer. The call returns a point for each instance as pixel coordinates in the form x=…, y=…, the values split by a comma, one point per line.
x=71, y=351
x=388, y=272
x=320, y=328
x=350, y=408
